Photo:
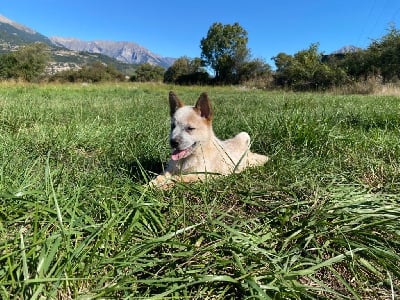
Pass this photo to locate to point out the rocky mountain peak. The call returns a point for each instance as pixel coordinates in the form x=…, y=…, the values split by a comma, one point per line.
x=127, y=52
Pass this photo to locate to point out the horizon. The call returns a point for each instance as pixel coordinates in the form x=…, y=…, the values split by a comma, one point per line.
x=272, y=27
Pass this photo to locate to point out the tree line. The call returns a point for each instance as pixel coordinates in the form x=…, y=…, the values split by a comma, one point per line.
x=226, y=59
x=312, y=70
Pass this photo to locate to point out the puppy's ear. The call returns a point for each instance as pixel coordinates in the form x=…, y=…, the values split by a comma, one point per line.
x=203, y=106
x=174, y=103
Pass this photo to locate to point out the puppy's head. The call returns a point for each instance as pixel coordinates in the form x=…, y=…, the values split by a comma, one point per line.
x=190, y=125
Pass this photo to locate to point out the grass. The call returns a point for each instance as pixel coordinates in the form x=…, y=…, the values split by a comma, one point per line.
x=320, y=220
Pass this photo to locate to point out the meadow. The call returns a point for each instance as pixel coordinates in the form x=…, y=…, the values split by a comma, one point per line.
x=77, y=220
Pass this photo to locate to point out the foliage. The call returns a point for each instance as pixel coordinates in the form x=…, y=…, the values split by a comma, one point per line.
x=94, y=72
x=306, y=71
x=381, y=60
x=8, y=63
x=224, y=49
x=27, y=63
x=310, y=70
x=255, y=69
x=384, y=55
x=319, y=221
x=356, y=65
x=147, y=73
x=186, y=71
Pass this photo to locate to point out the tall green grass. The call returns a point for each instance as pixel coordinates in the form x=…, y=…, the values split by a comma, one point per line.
x=77, y=221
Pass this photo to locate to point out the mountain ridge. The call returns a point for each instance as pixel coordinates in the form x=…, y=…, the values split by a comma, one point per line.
x=14, y=35
x=19, y=26
x=123, y=51
x=74, y=53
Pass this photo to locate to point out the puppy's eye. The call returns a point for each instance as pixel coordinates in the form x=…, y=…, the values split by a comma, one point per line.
x=172, y=126
x=189, y=128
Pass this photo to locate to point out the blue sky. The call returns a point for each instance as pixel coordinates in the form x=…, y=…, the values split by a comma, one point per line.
x=174, y=28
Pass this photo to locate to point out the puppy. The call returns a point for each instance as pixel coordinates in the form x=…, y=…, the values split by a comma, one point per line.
x=196, y=151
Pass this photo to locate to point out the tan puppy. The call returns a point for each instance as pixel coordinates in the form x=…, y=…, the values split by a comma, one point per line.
x=196, y=151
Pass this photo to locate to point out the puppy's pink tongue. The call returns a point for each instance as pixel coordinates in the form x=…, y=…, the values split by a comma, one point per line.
x=179, y=154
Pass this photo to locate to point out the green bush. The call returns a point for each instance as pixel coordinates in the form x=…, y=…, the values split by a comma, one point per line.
x=148, y=73
x=28, y=63
x=187, y=71
x=306, y=71
x=95, y=72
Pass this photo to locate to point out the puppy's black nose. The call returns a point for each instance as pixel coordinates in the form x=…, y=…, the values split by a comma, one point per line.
x=174, y=143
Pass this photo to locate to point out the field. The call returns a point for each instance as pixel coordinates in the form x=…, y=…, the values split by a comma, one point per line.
x=77, y=221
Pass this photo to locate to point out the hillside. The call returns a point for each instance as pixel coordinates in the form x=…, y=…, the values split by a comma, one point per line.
x=127, y=52
x=70, y=53
x=13, y=35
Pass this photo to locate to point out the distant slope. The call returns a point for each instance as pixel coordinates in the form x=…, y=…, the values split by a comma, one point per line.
x=73, y=53
x=13, y=35
x=16, y=25
x=127, y=52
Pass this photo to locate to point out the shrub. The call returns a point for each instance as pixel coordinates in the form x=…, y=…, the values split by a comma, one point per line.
x=27, y=63
x=148, y=72
x=306, y=71
x=187, y=71
x=95, y=72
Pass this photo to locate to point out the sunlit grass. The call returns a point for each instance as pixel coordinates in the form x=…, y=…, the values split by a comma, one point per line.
x=320, y=220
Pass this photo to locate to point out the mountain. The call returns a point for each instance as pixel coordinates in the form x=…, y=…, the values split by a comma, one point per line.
x=13, y=35
x=16, y=25
x=347, y=49
x=127, y=52
x=70, y=53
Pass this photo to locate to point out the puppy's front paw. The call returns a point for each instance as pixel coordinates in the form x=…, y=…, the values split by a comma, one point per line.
x=162, y=182
x=256, y=159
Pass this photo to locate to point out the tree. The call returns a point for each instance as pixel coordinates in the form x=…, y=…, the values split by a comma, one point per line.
x=93, y=72
x=255, y=69
x=186, y=71
x=225, y=50
x=8, y=64
x=306, y=71
x=32, y=60
x=384, y=54
x=180, y=67
x=283, y=63
x=147, y=72
x=356, y=65
x=27, y=63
